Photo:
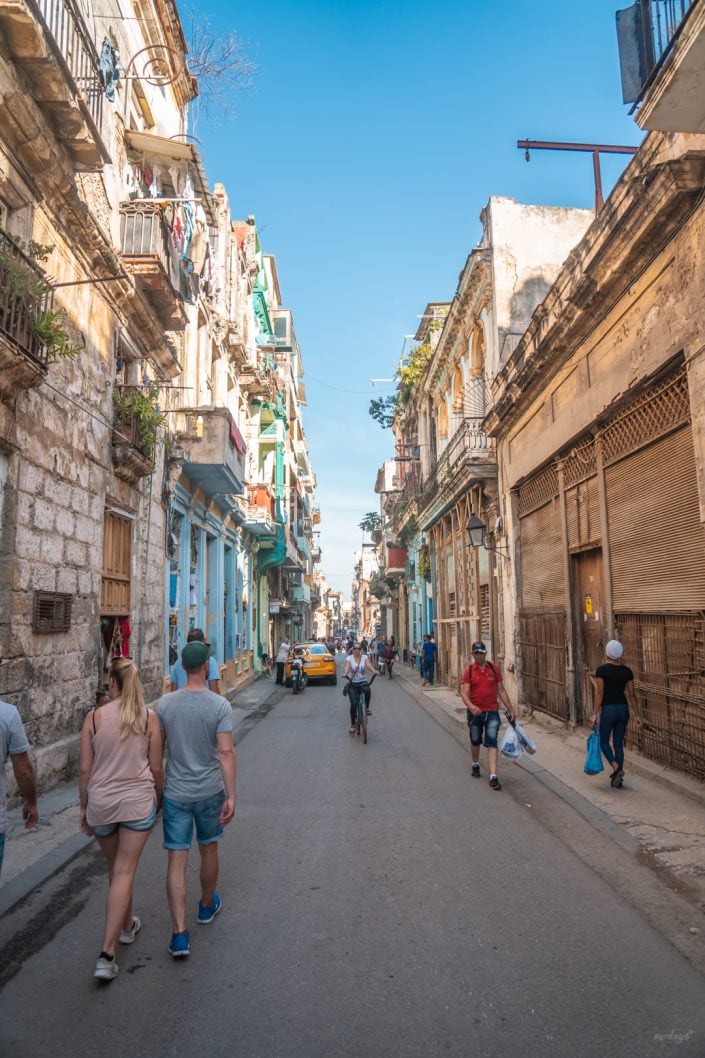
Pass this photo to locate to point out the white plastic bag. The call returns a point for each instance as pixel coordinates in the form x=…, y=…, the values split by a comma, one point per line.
x=525, y=741
x=511, y=744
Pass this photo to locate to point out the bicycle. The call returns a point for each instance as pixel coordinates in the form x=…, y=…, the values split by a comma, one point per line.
x=361, y=705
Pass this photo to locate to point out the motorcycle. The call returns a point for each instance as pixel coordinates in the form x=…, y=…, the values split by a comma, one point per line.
x=299, y=679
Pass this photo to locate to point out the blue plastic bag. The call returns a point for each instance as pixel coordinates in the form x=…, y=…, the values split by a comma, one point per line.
x=593, y=760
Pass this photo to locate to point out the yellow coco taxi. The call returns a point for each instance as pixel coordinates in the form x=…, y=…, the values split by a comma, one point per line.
x=319, y=663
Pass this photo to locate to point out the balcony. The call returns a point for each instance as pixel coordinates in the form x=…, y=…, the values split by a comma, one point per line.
x=255, y=520
x=301, y=452
x=261, y=495
x=144, y=245
x=25, y=295
x=49, y=41
x=294, y=561
x=469, y=456
x=662, y=59
x=215, y=452
x=301, y=593
x=130, y=462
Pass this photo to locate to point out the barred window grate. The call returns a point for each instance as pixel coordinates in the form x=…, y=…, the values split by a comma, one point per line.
x=579, y=464
x=485, y=611
x=539, y=489
x=51, y=612
x=657, y=414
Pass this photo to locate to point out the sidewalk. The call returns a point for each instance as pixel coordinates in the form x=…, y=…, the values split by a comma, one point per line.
x=32, y=856
x=657, y=811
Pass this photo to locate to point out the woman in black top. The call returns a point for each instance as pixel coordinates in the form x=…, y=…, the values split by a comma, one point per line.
x=614, y=693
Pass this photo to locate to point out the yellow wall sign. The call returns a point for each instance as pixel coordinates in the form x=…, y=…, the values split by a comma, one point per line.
x=588, y=604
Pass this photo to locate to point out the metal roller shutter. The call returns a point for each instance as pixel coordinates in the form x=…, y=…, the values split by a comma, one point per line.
x=542, y=558
x=657, y=541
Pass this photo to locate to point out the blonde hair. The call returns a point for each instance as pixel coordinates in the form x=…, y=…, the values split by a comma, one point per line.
x=133, y=711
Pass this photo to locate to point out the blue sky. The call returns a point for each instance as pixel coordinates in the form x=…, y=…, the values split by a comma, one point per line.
x=373, y=136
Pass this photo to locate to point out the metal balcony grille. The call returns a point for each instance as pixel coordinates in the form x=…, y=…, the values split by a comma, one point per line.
x=24, y=295
x=77, y=51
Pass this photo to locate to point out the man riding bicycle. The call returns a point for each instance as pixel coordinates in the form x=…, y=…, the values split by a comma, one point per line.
x=356, y=668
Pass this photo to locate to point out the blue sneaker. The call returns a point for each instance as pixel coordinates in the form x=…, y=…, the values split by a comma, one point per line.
x=180, y=945
x=207, y=914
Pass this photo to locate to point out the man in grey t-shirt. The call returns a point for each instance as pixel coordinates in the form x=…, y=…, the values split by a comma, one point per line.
x=15, y=745
x=199, y=788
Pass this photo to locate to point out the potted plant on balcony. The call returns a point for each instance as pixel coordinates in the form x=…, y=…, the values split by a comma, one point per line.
x=25, y=303
x=424, y=564
x=372, y=524
x=137, y=418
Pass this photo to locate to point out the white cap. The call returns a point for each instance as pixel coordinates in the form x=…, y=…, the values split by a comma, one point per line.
x=614, y=649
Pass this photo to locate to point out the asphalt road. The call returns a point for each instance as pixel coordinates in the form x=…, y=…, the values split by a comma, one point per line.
x=377, y=901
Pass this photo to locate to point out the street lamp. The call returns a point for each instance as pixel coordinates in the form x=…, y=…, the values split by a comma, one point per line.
x=477, y=533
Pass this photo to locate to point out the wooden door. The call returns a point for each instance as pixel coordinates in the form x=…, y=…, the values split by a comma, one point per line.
x=590, y=624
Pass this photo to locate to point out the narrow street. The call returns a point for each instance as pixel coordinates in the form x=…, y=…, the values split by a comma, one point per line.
x=376, y=901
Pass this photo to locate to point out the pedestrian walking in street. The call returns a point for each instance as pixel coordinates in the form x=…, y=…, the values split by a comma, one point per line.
x=199, y=789
x=614, y=694
x=281, y=658
x=178, y=675
x=482, y=690
x=429, y=651
x=120, y=788
x=15, y=745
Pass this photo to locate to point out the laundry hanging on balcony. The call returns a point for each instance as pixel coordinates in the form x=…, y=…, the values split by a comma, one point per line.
x=109, y=69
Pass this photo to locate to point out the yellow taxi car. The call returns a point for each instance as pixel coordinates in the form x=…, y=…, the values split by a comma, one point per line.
x=319, y=663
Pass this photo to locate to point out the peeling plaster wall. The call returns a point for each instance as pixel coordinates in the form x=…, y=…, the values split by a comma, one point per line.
x=528, y=246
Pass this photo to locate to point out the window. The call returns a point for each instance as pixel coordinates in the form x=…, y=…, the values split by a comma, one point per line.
x=52, y=612
x=115, y=589
x=443, y=419
x=457, y=389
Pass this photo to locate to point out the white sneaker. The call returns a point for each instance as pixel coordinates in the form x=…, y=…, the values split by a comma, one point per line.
x=106, y=969
x=127, y=936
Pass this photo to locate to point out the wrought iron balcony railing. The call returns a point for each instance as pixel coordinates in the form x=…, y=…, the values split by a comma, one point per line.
x=646, y=31
x=469, y=445
x=25, y=295
x=77, y=50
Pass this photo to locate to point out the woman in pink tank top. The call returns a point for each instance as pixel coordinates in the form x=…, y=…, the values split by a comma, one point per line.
x=121, y=781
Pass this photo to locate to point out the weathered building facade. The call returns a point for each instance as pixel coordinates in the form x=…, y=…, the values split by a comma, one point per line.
x=447, y=462
x=134, y=367
x=598, y=417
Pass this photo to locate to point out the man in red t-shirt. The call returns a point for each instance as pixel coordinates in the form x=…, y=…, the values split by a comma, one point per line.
x=480, y=688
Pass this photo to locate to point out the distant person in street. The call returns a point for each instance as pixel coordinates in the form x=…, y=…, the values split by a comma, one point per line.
x=482, y=690
x=199, y=789
x=614, y=694
x=429, y=651
x=178, y=676
x=120, y=789
x=15, y=745
x=281, y=658
x=380, y=654
x=363, y=646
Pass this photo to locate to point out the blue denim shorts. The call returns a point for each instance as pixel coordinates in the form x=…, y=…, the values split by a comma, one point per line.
x=487, y=722
x=134, y=824
x=179, y=817
x=2, y=849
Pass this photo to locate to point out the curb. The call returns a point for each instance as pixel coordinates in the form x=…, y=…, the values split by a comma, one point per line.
x=599, y=819
x=23, y=885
